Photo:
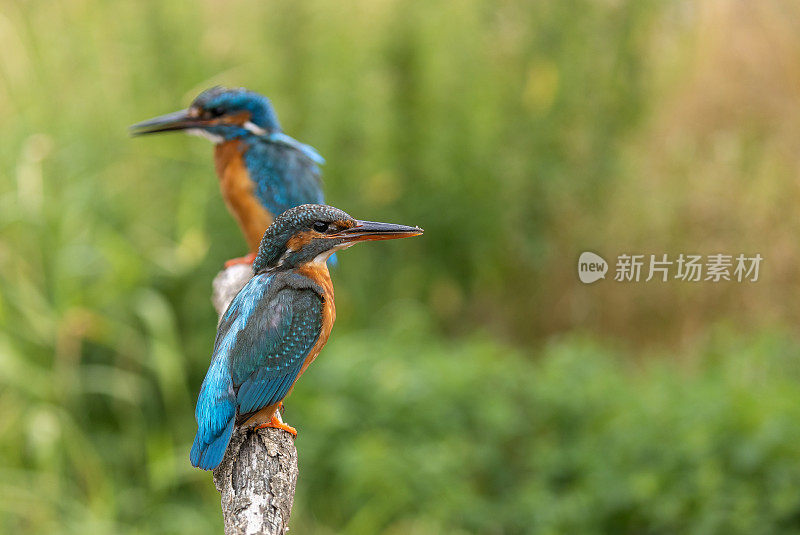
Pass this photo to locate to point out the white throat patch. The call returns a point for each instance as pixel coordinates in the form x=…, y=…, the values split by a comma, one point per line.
x=322, y=258
x=204, y=133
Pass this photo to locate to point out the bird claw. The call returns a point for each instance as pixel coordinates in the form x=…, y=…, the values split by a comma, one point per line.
x=276, y=423
x=247, y=259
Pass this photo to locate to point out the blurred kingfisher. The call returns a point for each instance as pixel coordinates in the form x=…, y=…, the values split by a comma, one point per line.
x=277, y=324
x=262, y=171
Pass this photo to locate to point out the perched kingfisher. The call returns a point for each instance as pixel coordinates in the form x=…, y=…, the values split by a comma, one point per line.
x=262, y=171
x=277, y=324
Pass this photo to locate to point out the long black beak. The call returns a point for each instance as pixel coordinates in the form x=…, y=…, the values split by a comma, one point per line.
x=179, y=120
x=372, y=230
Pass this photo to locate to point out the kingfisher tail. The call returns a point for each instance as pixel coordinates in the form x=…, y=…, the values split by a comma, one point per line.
x=216, y=417
x=208, y=456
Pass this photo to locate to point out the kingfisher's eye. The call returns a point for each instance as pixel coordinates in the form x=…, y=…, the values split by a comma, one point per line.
x=214, y=112
x=320, y=226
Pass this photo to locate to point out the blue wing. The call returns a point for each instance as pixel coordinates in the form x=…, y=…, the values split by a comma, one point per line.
x=265, y=366
x=285, y=172
x=285, y=176
x=262, y=343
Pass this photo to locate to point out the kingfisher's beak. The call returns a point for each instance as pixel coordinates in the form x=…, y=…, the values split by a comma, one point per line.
x=179, y=120
x=372, y=230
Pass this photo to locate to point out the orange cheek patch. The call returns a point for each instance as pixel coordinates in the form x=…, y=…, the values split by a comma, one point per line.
x=298, y=241
x=239, y=119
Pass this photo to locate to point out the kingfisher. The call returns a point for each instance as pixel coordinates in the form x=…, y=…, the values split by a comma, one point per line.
x=262, y=171
x=277, y=324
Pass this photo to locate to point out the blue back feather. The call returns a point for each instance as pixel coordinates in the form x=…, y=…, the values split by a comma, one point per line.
x=284, y=176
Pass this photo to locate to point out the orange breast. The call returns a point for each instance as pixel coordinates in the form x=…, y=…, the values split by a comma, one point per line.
x=320, y=275
x=239, y=192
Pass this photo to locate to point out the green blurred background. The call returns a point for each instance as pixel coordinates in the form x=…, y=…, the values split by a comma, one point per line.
x=472, y=384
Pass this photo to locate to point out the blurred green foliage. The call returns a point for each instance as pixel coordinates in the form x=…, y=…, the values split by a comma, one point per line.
x=452, y=396
x=402, y=432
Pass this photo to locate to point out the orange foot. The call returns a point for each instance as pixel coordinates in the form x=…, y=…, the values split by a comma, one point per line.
x=277, y=424
x=247, y=259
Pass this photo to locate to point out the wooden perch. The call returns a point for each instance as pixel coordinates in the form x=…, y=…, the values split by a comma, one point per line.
x=257, y=477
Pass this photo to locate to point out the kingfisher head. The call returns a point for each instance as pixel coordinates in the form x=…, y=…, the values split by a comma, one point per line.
x=220, y=114
x=310, y=233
